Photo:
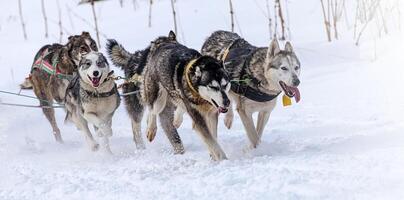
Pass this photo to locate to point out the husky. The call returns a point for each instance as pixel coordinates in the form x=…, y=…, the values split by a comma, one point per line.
x=53, y=68
x=175, y=77
x=259, y=75
x=92, y=97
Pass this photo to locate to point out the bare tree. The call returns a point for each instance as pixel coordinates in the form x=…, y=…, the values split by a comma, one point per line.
x=22, y=20
x=231, y=15
x=269, y=19
x=60, y=22
x=175, y=18
x=281, y=18
x=150, y=12
x=134, y=2
x=326, y=21
x=45, y=18
x=121, y=3
x=95, y=23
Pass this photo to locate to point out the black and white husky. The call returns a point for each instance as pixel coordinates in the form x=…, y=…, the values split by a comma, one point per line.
x=92, y=97
x=259, y=75
x=174, y=76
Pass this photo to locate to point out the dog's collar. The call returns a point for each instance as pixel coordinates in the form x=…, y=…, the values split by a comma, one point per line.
x=252, y=93
x=187, y=71
x=102, y=95
x=227, y=50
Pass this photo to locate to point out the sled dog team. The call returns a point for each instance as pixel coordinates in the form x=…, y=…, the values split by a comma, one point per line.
x=169, y=79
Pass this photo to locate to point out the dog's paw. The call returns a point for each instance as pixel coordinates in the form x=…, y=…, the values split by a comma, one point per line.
x=177, y=122
x=95, y=147
x=151, y=134
x=179, y=149
x=228, y=121
x=140, y=145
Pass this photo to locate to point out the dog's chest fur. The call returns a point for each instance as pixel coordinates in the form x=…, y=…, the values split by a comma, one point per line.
x=101, y=105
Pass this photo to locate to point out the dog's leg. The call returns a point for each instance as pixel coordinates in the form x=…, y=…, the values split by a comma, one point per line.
x=228, y=118
x=41, y=91
x=105, y=143
x=178, y=117
x=263, y=117
x=137, y=134
x=212, y=119
x=166, y=120
x=202, y=128
x=247, y=119
x=82, y=124
x=156, y=108
x=151, y=126
x=136, y=110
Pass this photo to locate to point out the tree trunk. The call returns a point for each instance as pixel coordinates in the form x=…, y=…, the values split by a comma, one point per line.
x=22, y=20
x=95, y=23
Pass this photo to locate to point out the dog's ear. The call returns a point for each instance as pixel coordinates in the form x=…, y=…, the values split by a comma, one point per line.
x=273, y=48
x=172, y=36
x=288, y=47
x=198, y=72
x=85, y=33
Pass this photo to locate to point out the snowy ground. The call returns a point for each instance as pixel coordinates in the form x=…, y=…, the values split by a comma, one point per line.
x=343, y=141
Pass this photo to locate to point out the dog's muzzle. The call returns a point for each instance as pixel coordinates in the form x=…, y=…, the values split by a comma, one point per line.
x=221, y=109
x=290, y=91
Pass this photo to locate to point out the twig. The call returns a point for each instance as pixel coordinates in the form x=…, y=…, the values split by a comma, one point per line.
x=45, y=18
x=150, y=12
x=86, y=22
x=231, y=15
x=60, y=23
x=326, y=23
x=281, y=19
x=174, y=16
x=269, y=19
x=22, y=20
x=95, y=23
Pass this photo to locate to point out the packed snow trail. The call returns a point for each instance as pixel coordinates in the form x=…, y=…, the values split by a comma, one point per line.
x=344, y=140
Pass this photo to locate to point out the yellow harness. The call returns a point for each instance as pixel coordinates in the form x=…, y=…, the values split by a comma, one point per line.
x=187, y=71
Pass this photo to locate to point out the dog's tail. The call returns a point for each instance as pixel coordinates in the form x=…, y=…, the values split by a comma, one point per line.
x=119, y=56
x=27, y=84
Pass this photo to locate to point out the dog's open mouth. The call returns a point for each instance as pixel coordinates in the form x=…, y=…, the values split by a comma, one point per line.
x=220, y=108
x=290, y=91
x=95, y=81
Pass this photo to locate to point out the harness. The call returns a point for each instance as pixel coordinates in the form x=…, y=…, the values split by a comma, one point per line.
x=52, y=69
x=241, y=86
x=104, y=94
x=187, y=70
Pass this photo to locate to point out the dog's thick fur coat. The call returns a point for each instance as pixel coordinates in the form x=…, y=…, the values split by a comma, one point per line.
x=89, y=103
x=49, y=87
x=174, y=76
x=266, y=70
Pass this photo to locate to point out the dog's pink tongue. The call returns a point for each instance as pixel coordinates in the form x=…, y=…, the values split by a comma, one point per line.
x=297, y=93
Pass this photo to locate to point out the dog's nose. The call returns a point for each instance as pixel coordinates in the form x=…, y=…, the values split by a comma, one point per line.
x=226, y=102
x=296, y=82
x=96, y=73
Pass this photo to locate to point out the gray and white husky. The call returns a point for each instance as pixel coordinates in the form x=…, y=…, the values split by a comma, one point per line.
x=92, y=97
x=259, y=75
x=174, y=76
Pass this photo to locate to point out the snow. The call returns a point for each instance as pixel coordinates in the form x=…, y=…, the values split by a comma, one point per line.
x=342, y=141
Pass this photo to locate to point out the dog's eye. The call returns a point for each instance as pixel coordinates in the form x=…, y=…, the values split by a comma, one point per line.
x=214, y=87
x=297, y=68
x=284, y=68
x=83, y=50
